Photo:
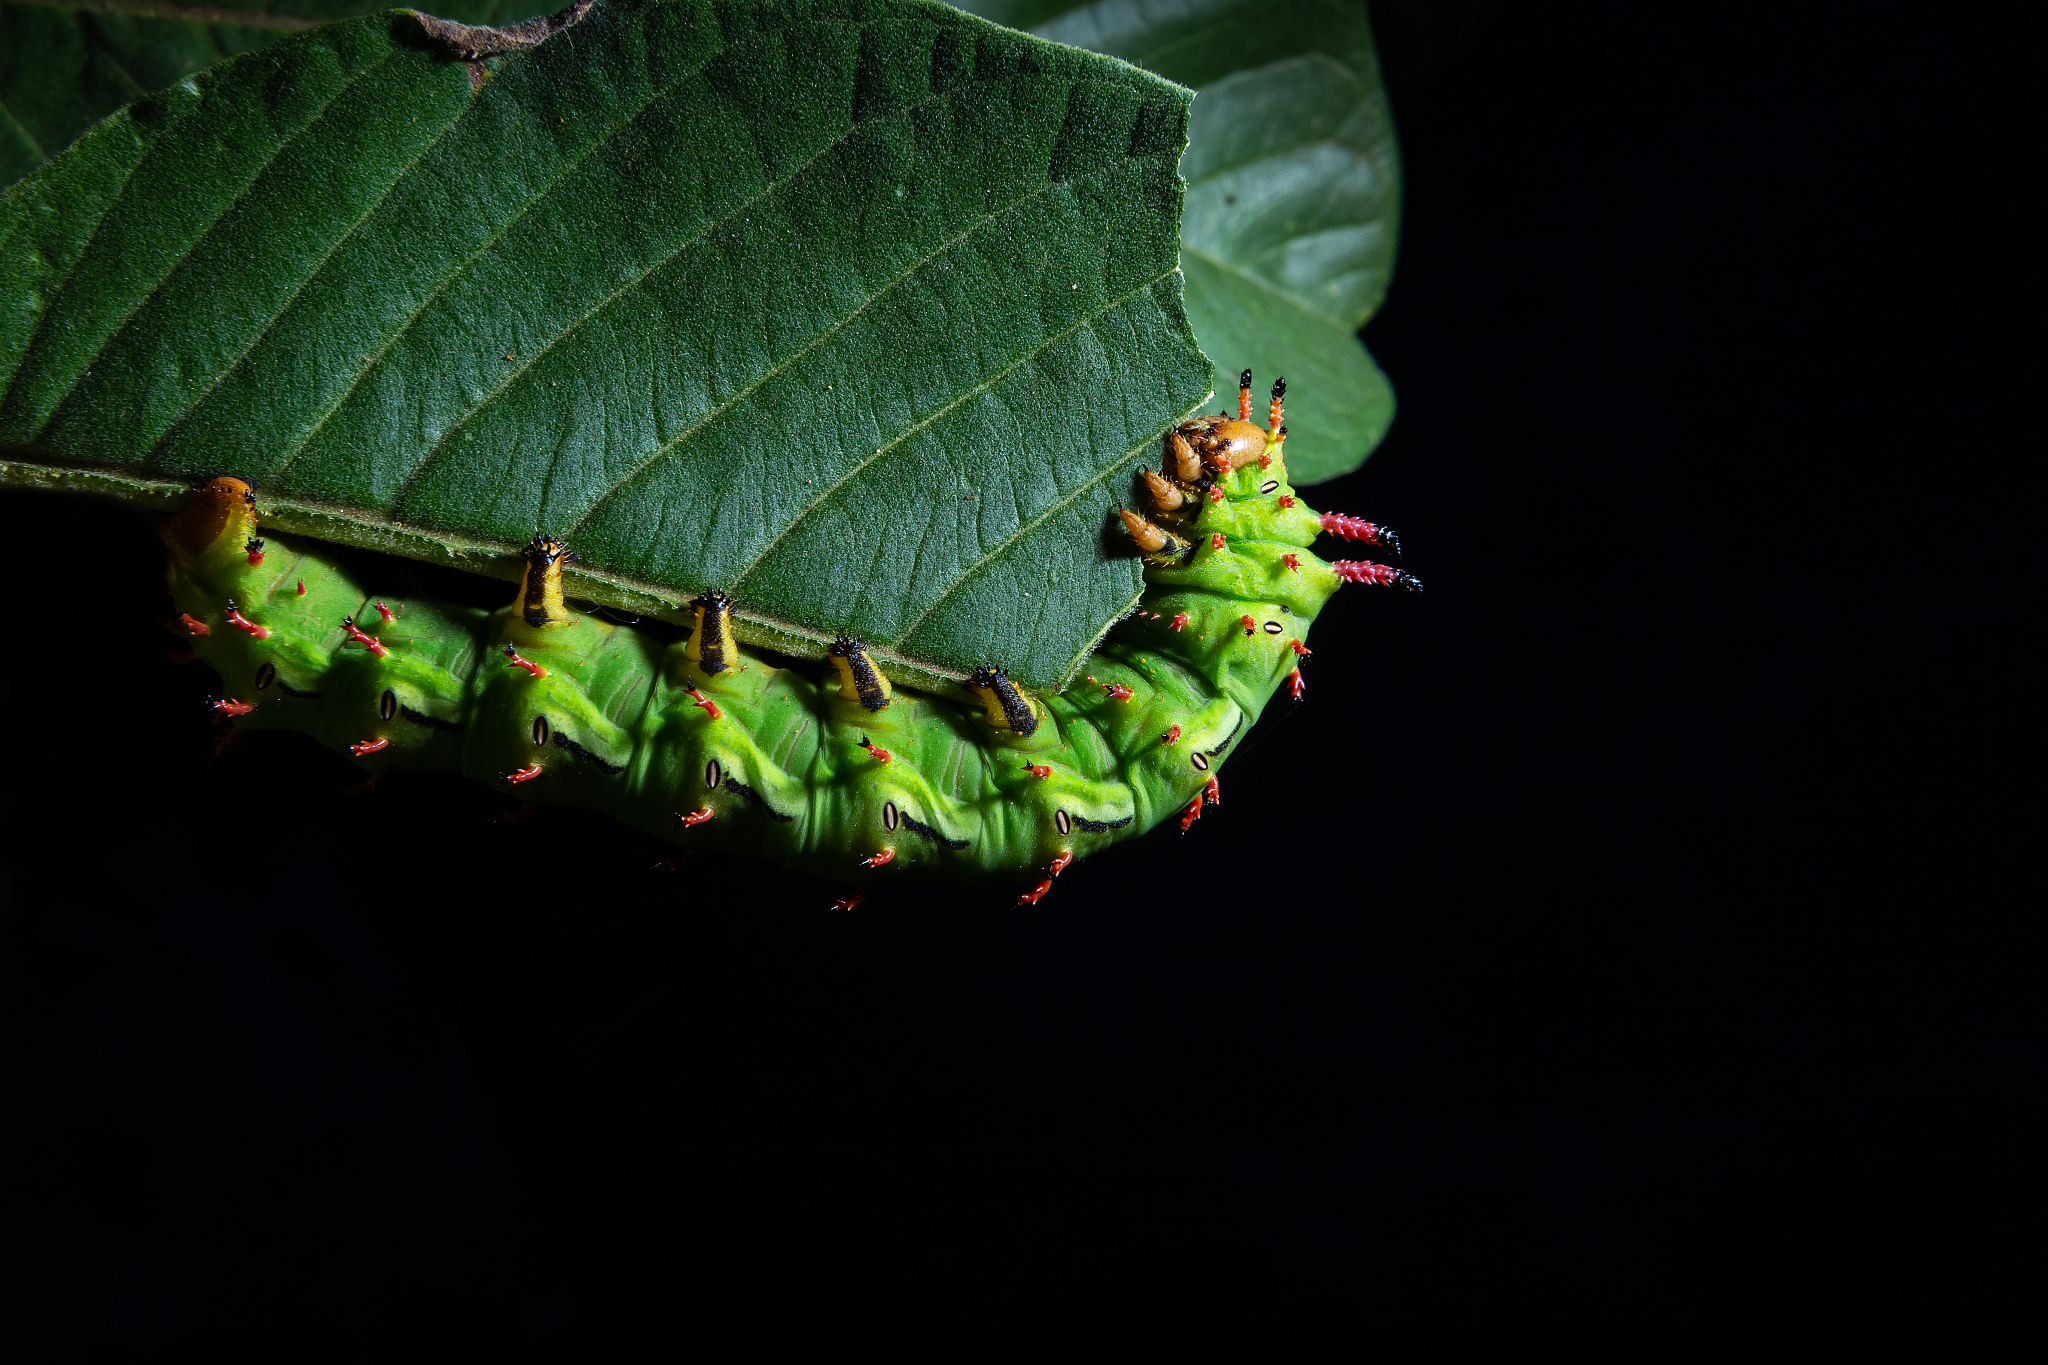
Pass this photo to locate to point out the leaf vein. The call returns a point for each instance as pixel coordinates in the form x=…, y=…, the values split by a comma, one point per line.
x=441, y=287
x=975, y=565
x=771, y=188
x=50, y=295
x=185, y=255
x=311, y=275
x=820, y=339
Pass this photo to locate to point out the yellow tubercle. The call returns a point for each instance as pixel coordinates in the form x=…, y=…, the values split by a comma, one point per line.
x=859, y=679
x=539, y=603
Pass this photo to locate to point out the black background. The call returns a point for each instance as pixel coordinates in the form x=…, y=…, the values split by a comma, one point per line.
x=1610, y=960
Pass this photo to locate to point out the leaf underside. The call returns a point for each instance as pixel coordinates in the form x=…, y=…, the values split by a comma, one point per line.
x=1293, y=193
x=853, y=309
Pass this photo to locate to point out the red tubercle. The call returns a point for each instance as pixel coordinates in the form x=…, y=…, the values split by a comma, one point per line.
x=695, y=817
x=1244, y=396
x=181, y=657
x=1293, y=562
x=1251, y=627
x=512, y=657
x=241, y=622
x=195, y=626
x=254, y=549
x=1172, y=735
x=881, y=859
x=1273, y=413
x=1299, y=648
x=1380, y=575
x=1060, y=863
x=228, y=706
x=1039, y=770
x=526, y=774
x=368, y=746
x=876, y=752
x=1117, y=690
x=1265, y=463
x=848, y=902
x=1216, y=495
x=1295, y=684
x=699, y=699
x=386, y=612
x=1216, y=541
x=1180, y=621
x=302, y=587
x=1357, y=528
x=1285, y=501
x=369, y=642
x=1210, y=795
x=1036, y=893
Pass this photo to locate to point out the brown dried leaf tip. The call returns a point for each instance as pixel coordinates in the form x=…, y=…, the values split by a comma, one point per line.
x=472, y=43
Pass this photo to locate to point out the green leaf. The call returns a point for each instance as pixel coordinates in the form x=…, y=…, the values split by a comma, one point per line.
x=854, y=309
x=65, y=67
x=1293, y=193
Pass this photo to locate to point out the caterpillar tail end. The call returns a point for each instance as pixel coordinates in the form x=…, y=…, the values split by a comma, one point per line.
x=217, y=521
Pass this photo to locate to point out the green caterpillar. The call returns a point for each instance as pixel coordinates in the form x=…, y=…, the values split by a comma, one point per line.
x=708, y=743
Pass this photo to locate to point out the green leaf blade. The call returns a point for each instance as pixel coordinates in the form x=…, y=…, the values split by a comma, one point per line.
x=1293, y=182
x=852, y=308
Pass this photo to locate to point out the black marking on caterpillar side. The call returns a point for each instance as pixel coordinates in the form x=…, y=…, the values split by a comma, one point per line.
x=291, y=691
x=712, y=772
x=1270, y=486
x=733, y=784
x=540, y=730
x=562, y=741
x=433, y=722
x=924, y=831
x=1272, y=627
x=387, y=705
x=1227, y=738
x=1099, y=826
x=265, y=676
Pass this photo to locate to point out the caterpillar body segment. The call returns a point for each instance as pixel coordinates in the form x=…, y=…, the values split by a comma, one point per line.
x=705, y=742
